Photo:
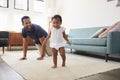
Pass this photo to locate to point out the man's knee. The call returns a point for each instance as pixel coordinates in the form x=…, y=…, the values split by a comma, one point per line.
x=48, y=51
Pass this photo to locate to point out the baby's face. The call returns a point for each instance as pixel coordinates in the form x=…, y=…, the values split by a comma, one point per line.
x=56, y=23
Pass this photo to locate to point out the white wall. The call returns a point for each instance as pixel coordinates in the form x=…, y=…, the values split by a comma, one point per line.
x=12, y=17
x=75, y=13
x=89, y=13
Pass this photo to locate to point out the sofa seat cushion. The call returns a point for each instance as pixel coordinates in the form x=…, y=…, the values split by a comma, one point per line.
x=89, y=41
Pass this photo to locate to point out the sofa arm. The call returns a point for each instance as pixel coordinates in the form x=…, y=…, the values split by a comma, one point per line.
x=113, y=42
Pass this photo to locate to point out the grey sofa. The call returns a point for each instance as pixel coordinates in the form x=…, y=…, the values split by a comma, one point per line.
x=80, y=40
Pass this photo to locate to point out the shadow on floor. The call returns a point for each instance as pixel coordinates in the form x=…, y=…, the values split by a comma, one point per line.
x=109, y=75
x=7, y=73
x=113, y=57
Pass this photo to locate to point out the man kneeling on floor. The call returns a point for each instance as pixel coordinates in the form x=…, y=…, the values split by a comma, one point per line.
x=38, y=34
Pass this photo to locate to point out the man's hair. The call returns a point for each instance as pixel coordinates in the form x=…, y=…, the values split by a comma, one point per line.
x=57, y=17
x=24, y=17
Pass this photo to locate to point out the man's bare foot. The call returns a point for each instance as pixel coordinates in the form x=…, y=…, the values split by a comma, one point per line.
x=23, y=58
x=40, y=58
x=54, y=67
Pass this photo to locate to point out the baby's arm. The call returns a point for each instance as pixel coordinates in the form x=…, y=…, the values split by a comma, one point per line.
x=65, y=37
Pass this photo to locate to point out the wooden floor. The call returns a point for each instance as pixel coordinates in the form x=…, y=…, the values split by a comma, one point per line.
x=7, y=73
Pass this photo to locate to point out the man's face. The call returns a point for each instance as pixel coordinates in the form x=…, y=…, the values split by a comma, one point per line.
x=27, y=24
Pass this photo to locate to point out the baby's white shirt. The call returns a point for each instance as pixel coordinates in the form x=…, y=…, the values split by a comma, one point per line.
x=57, y=39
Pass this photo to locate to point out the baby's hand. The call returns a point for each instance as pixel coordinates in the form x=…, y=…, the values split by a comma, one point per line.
x=68, y=42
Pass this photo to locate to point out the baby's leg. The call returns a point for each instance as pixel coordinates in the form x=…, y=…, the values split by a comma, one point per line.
x=55, y=53
x=62, y=53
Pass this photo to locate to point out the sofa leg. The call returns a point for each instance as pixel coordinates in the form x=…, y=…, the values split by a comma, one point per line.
x=3, y=49
x=106, y=57
x=70, y=50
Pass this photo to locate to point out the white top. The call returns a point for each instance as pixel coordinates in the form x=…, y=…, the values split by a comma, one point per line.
x=56, y=39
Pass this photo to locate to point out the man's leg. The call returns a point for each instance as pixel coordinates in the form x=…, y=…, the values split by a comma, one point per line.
x=38, y=46
x=48, y=49
x=44, y=49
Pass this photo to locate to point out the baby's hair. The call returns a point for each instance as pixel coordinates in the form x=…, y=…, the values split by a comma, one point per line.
x=57, y=17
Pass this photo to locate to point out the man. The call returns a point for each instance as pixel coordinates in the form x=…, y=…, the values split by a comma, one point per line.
x=38, y=34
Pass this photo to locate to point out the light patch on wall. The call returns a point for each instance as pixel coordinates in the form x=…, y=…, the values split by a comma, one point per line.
x=4, y=21
x=17, y=25
x=40, y=20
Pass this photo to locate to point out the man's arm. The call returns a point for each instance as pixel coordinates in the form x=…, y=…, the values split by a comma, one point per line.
x=41, y=40
x=25, y=47
x=42, y=49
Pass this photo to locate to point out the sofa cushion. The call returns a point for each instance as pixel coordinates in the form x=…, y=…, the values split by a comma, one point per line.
x=100, y=49
x=89, y=41
x=82, y=32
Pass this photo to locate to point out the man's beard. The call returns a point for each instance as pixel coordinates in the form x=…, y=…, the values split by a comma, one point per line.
x=29, y=28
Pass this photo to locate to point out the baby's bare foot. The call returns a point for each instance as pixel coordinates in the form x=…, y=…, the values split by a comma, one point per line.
x=23, y=58
x=40, y=58
x=63, y=65
x=54, y=66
